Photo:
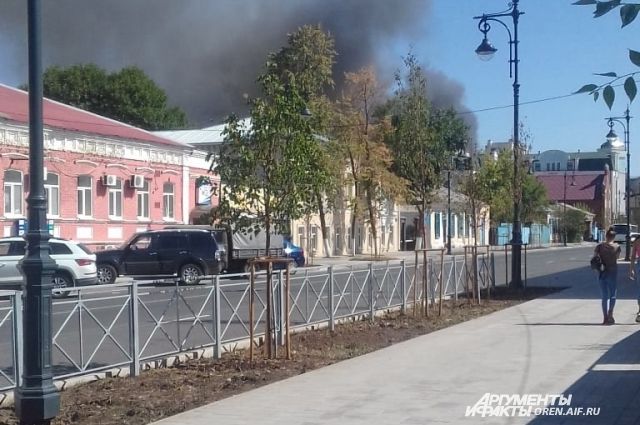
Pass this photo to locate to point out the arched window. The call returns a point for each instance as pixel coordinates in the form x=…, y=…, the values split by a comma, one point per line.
x=13, y=193
x=85, y=196
x=168, y=200
x=52, y=188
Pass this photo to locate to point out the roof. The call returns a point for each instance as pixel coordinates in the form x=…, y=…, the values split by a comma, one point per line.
x=14, y=106
x=201, y=136
x=580, y=186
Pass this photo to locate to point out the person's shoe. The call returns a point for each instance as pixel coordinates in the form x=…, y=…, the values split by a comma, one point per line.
x=610, y=319
x=605, y=321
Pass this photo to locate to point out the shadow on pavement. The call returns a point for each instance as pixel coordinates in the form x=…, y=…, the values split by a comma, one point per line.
x=612, y=384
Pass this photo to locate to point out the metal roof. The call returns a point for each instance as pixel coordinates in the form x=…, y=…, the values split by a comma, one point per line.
x=200, y=136
x=14, y=106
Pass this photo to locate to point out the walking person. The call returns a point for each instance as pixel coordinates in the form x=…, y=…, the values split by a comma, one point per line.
x=609, y=253
x=634, y=268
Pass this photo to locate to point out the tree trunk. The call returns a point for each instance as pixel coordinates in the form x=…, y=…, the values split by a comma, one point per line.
x=372, y=221
x=420, y=231
x=323, y=225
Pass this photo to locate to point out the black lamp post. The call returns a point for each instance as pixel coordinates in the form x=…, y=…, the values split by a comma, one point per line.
x=612, y=136
x=36, y=399
x=564, y=205
x=486, y=51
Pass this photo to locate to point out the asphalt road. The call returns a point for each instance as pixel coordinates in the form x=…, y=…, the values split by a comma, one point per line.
x=91, y=330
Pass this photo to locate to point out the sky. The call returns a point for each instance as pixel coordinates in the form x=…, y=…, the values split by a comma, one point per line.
x=561, y=47
x=185, y=48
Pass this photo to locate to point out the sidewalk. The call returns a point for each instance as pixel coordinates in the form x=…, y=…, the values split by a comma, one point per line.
x=343, y=260
x=552, y=345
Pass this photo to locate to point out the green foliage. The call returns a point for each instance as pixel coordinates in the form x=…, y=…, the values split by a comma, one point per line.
x=628, y=13
x=572, y=221
x=309, y=58
x=128, y=95
x=272, y=170
x=493, y=184
x=424, y=138
x=534, y=200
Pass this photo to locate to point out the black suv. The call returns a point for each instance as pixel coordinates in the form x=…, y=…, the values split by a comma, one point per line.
x=188, y=254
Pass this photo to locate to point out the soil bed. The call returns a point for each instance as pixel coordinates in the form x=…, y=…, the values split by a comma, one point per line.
x=159, y=393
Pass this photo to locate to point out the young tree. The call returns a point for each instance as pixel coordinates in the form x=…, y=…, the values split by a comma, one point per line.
x=424, y=140
x=308, y=58
x=495, y=187
x=128, y=95
x=361, y=140
x=265, y=168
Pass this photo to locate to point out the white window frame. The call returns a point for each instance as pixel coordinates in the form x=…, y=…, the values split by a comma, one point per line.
x=168, y=199
x=114, y=195
x=53, y=195
x=17, y=199
x=142, y=195
x=85, y=193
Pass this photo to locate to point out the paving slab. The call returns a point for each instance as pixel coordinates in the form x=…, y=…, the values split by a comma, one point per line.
x=551, y=345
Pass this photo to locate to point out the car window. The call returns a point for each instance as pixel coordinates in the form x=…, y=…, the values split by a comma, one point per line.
x=18, y=248
x=59, y=248
x=142, y=242
x=4, y=248
x=85, y=248
x=172, y=241
x=202, y=242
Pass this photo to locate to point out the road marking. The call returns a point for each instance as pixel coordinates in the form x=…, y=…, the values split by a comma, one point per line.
x=616, y=367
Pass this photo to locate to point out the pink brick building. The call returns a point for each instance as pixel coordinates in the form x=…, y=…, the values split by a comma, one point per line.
x=105, y=180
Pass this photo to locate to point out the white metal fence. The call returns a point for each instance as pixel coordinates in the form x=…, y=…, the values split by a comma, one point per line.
x=125, y=325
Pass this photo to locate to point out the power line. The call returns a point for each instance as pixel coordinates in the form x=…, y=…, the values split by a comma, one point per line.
x=529, y=102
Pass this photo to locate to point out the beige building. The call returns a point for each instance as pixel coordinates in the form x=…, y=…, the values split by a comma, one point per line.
x=396, y=224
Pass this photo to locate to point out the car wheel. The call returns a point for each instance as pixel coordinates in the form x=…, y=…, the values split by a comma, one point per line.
x=106, y=274
x=61, y=281
x=190, y=274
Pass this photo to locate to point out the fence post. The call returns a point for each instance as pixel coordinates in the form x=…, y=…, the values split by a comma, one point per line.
x=177, y=295
x=506, y=267
x=17, y=337
x=455, y=279
x=217, y=351
x=330, y=288
x=133, y=334
x=403, y=286
x=493, y=270
x=372, y=307
x=525, y=266
x=280, y=305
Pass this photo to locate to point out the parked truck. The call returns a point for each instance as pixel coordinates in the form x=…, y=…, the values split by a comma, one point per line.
x=237, y=248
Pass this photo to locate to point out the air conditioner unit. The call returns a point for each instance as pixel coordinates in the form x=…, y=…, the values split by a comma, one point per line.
x=136, y=181
x=109, y=180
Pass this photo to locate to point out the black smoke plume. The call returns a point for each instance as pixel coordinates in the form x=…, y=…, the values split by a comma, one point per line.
x=207, y=54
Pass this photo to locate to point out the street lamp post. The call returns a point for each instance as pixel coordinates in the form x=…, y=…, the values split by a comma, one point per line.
x=449, y=210
x=36, y=398
x=611, y=136
x=564, y=200
x=485, y=51
x=564, y=210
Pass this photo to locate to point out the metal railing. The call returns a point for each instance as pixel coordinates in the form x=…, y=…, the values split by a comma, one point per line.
x=11, y=331
x=126, y=325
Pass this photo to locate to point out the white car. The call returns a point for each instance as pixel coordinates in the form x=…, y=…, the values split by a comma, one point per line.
x=76, y=264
